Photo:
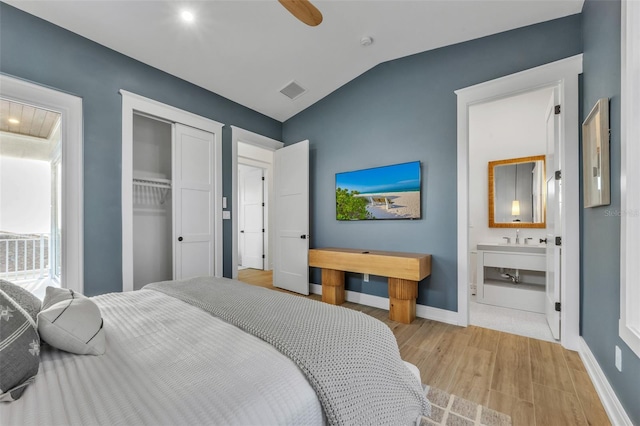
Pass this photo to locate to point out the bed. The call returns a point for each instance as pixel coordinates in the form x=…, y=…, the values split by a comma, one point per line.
x=217, y=351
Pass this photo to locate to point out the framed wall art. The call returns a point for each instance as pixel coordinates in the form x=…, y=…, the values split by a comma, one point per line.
x=595, y=155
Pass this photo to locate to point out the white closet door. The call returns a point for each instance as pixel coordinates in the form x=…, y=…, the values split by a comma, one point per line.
x=193, y=183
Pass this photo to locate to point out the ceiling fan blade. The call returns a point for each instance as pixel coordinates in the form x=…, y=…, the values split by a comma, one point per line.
x=303, y=10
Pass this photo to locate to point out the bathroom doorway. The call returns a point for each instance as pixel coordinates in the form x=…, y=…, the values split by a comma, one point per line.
x=501, y=132
x=564, y=75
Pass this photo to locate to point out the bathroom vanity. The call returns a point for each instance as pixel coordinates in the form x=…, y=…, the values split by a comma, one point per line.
x=512, y=276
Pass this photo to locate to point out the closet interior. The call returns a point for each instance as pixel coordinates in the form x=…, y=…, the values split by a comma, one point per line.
x=152, y=201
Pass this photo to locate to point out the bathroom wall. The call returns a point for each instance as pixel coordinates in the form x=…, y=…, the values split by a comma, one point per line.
x=507, y=128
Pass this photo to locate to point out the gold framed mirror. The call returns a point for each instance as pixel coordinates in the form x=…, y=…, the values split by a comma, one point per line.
x=517, y=193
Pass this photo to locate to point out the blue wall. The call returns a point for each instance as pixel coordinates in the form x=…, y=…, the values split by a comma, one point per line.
x=36, y=50
x=405, y=110
x=600, y=243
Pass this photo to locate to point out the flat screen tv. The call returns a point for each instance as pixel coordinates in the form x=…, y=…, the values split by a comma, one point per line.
x=388, y=192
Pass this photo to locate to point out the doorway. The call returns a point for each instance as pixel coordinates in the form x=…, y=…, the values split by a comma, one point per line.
x=503, y=132
x=564, y=74
x=40, y=187
x=30, y=212
x=252, y=152
x=286, y=212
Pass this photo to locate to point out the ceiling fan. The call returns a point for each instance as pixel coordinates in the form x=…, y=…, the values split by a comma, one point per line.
x=303, y=10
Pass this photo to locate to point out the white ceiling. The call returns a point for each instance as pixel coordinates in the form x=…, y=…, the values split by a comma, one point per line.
x=247, y=50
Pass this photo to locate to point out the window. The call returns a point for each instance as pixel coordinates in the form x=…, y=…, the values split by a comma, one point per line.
x=630, y=178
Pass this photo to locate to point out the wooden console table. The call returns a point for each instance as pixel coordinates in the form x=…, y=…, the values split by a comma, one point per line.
x=403, y=270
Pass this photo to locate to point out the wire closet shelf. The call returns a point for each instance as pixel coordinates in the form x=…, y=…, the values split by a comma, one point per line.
x=164, y=185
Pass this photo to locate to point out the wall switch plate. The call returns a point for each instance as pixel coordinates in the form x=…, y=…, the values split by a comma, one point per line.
x=618, y=359
x=224, y=202
x=365, y=278
x=226, y=214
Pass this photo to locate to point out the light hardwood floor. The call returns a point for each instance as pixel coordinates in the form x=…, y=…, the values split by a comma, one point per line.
x=535, y=382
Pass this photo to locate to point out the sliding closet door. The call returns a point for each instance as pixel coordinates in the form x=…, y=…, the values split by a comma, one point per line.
x=194, y=202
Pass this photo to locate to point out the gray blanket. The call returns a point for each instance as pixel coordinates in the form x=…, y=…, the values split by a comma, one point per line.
x=350, y=359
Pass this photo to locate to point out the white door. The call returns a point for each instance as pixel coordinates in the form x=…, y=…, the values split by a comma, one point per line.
x=252, y=218
x=193, y=208
x=291, y=209
x=554, y=224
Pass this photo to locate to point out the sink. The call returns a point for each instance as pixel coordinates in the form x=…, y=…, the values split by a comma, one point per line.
x=514, y=248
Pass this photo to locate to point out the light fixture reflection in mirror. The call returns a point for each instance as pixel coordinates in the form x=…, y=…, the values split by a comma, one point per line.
x=515, y=208
x=515, y=205
x=517, y=197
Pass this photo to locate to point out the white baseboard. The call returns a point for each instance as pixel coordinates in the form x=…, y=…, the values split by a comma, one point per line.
x=422, y=311
x=613, y=407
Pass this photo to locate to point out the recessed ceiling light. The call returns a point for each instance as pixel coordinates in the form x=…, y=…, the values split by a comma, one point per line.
x=14, y=121
x=187, y=16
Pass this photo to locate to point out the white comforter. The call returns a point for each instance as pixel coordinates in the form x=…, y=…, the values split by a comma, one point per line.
x=166, y=362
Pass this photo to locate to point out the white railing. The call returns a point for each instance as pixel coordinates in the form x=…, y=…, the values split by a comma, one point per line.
x=24, y=258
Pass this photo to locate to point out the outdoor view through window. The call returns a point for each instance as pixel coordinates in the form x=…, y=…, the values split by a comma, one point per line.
x=30, y=196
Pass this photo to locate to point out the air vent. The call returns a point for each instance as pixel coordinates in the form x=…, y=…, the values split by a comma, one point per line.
x=292, y=90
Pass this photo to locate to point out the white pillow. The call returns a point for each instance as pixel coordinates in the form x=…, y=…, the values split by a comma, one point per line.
x=71, y=322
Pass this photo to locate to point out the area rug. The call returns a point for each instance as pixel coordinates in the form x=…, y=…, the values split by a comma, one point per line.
x=451, y=410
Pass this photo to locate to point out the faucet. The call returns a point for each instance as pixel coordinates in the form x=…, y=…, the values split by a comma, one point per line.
x=526, y=240
x=517, y=236
x=508, y=239
x=514, y=278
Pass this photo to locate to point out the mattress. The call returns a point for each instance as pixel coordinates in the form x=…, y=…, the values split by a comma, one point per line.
x=167, y=362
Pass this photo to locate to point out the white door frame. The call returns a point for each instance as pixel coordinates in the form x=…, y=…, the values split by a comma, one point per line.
x=245, y=136
x=132, y=103
x=564, y=74
x=72, y=169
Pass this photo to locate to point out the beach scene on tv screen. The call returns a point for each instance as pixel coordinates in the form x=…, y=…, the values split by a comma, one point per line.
x=389, y=192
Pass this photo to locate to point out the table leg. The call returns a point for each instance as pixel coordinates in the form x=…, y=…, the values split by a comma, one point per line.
x=402, y=300
x=333, y=286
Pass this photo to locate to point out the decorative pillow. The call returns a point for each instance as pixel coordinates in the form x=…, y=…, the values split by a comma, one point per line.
x=27, y=300
x=71, y=322
x=19, y=346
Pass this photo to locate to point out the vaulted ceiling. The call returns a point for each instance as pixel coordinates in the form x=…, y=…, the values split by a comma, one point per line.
x=248, y=50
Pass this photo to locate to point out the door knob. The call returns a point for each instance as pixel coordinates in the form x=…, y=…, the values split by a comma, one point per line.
x=179, y=238
x=304, y=237
x=242, y=231
x=543, y=240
